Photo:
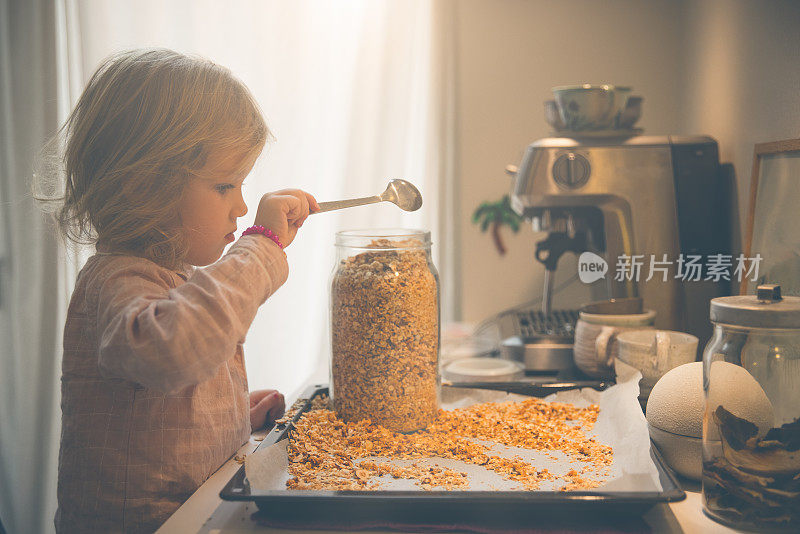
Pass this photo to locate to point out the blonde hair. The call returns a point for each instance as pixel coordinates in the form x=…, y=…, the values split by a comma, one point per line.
x=144, y=125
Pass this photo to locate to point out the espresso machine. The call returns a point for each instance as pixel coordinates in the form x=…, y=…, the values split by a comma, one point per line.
x=634, y=197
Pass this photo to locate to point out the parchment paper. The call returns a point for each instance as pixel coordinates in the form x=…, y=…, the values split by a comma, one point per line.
x=620, y=424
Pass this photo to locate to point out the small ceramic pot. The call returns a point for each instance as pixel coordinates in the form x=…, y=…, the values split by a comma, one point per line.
x=654, y=352
x=596, y=333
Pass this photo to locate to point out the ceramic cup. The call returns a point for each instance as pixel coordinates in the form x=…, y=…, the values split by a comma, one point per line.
x=590, y=107
x=596, y=333
x=654, y=352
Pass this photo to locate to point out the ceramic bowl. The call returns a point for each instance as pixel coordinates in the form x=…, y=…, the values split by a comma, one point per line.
x=590, y=107
x=618, y=306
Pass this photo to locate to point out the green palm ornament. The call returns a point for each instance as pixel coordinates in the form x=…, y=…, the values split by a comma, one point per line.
x=495, y=215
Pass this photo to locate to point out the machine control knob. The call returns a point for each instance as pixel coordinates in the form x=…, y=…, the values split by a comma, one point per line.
x=571, y=170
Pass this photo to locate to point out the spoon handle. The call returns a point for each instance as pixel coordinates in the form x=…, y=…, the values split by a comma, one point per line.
x=339, y=204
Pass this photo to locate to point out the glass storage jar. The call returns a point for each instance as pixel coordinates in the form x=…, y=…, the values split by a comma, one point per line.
x=385, y=329
x=751, y=427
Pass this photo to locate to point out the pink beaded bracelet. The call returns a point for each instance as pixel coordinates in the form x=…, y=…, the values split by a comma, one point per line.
x=258, y=229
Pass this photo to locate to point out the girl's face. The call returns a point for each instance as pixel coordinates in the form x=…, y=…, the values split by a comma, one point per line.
x=210, y=207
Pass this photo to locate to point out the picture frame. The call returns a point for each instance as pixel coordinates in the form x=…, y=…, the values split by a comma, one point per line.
x=773, y=221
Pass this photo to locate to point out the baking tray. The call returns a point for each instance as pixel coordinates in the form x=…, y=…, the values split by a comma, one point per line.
x=441, y=505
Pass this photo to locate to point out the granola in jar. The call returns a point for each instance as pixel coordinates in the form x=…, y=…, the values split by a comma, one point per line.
x=385, y=329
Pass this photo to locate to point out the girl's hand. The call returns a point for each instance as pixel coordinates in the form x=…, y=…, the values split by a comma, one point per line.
x=266, y=405
x=284, y=212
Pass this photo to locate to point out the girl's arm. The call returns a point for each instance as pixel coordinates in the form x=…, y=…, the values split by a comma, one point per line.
x=169, y=338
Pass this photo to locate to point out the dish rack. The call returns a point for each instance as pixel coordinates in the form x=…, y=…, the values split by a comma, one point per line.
x=533, y=323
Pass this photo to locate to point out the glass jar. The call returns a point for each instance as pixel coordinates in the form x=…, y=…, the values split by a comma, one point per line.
x=385, y=329
x=751, y=426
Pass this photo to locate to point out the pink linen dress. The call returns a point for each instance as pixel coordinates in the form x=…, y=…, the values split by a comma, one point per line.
x=154, y=390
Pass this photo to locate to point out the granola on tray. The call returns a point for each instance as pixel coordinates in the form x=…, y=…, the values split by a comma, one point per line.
x=326, y=453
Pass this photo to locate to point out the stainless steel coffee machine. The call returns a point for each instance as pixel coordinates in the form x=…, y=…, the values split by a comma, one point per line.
x=644, y=197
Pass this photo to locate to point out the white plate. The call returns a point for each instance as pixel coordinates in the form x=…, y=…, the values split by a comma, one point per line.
x=483, y=369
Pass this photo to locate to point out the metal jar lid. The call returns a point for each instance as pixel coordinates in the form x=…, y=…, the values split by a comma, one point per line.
x=765, y=309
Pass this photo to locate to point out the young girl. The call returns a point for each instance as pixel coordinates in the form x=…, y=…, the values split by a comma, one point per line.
x=154, y=390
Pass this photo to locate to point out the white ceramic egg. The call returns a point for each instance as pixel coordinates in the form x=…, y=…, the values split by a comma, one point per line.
x=684, y=454
x=675, y=417
x=676, y=403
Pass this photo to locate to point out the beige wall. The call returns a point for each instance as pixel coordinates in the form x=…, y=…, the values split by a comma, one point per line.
x=743, y=79
x=510, y=53
x=725, y=68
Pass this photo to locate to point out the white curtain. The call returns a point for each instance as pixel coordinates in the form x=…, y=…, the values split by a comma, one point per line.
x=35, y=277
x=346, y=87
x=356, y=92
